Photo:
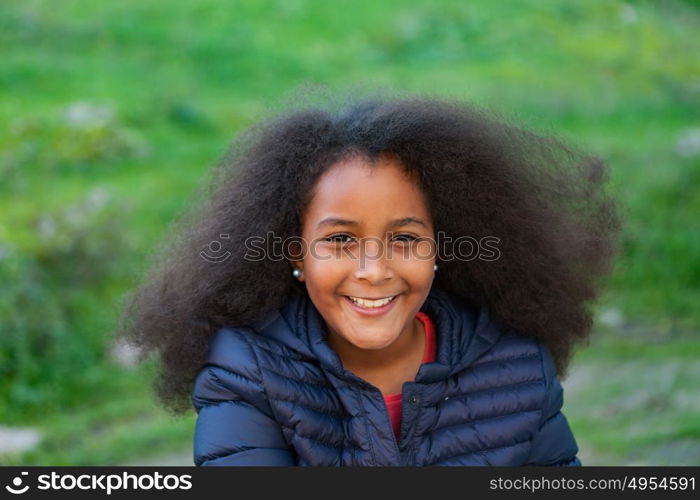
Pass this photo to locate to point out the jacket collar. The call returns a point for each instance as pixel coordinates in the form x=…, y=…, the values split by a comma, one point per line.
x=464, y=333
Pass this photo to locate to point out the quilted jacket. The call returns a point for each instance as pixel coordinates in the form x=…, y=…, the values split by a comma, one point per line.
x=276, y=394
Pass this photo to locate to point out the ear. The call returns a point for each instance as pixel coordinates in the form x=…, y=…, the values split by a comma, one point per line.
x=294, y=251
x=300, y=266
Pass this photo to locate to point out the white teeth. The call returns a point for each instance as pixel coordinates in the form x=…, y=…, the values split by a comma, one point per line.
x=371, y=304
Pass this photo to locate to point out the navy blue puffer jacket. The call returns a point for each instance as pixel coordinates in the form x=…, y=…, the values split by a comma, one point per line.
x=276, y=394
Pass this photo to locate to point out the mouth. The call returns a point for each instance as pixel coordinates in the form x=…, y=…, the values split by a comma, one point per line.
x=371, y=307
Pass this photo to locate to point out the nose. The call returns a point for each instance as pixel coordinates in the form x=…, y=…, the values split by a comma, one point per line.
x=373, y=264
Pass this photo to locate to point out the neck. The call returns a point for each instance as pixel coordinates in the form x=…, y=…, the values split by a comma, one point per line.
x=404, y=349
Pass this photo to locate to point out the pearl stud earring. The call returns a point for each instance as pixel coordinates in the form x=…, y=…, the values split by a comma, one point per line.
x=296, y=273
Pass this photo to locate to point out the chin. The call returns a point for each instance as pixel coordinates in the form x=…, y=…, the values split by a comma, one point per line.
x=372, y=344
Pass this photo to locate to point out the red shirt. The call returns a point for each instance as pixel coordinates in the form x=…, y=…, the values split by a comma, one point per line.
x=393, y=401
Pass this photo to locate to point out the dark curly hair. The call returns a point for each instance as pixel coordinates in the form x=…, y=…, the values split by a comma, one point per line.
x=482, y=176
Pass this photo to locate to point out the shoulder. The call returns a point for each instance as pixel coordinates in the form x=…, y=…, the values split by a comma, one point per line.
x=237, y=366
x=522, y=362
x=231, y=370
x=243, y=348
x=519, y=375
x=525, y=368
x=512, y=346
x=528, y=366
x=232, y=349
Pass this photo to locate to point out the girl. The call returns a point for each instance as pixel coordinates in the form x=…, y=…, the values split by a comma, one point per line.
x=398, y=282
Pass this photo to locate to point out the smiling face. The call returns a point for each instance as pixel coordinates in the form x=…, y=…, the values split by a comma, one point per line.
x=362, y=235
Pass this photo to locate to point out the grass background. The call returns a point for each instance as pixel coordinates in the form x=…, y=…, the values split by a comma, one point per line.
x=112, y=114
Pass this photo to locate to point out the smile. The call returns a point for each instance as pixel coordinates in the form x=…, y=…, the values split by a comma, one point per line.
x=371, y=307
x=369, y=303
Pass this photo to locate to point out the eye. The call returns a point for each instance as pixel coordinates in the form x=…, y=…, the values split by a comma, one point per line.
x=335, y=238
x=406, y=238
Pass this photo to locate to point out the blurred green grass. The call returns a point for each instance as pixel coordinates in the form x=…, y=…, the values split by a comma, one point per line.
x=179, y=79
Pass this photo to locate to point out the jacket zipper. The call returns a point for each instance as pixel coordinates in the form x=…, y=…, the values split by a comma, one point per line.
x=402, y=439
x=406, y=389
x=387, y=420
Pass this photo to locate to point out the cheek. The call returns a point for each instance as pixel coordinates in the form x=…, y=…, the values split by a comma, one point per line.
x=425, y=251
x=416, y=273
x=420, y=275
x=417, y=254
x=325, y=274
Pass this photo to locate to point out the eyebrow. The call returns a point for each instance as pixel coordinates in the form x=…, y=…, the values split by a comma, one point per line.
x=337, y=221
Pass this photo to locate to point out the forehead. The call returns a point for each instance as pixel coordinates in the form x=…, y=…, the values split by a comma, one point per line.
x=369, y=193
